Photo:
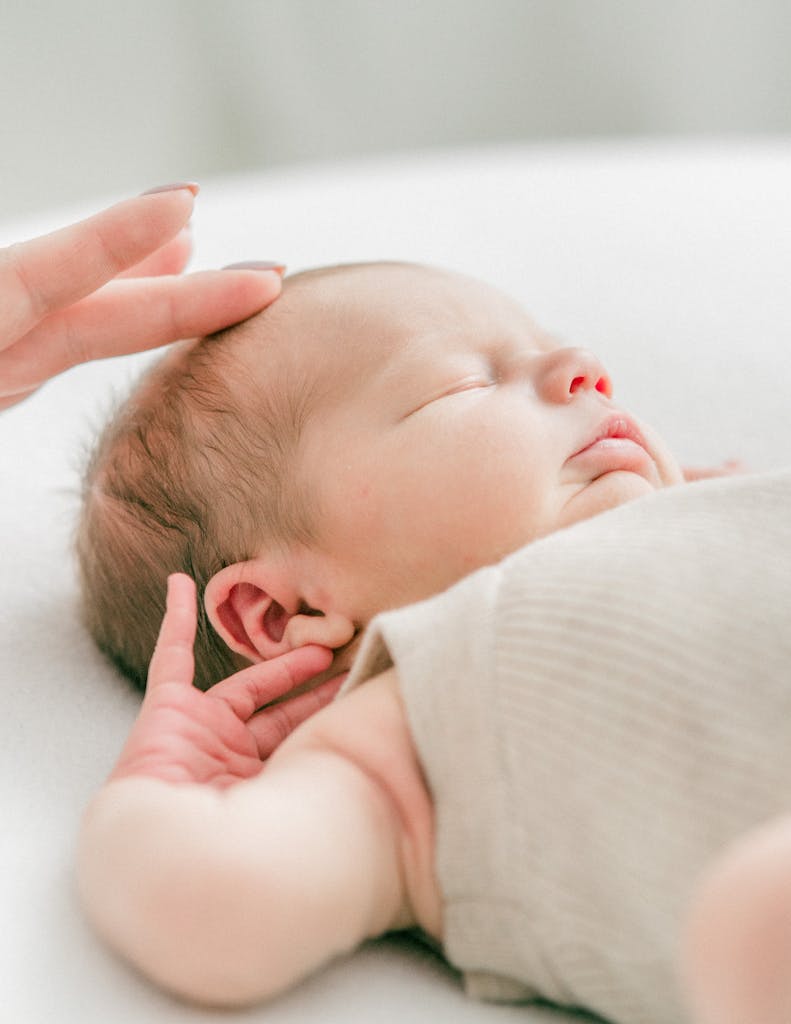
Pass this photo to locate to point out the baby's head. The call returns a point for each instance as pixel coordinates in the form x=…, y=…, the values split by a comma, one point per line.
x=376, y=434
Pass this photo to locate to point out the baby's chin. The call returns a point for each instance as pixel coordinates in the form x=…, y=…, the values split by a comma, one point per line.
x=613, y=489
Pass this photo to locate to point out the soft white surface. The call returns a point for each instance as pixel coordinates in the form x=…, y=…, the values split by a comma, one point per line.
x=670, y=261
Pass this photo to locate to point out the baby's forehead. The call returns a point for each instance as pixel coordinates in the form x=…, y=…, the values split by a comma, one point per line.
x=366, y=315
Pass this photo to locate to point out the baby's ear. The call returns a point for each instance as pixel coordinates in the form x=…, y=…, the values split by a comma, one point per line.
x=248, y=619
x=260, y=615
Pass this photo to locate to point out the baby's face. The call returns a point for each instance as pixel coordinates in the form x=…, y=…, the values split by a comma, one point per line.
x=449, y=431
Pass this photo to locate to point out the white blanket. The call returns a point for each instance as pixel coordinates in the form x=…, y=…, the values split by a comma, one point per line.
x=670, y=261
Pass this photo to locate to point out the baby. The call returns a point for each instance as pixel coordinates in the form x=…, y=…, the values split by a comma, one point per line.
x=378, y=435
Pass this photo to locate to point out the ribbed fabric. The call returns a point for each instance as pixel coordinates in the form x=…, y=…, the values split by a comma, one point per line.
x=597, y=716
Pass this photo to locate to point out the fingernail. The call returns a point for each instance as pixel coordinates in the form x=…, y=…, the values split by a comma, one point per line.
x=257, y=265
x=191, y=186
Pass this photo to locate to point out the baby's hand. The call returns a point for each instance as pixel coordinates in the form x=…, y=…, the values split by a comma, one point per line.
x=218, y=737
x=729, y=468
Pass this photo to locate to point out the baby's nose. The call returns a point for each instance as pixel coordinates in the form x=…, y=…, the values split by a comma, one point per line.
x=564, y=372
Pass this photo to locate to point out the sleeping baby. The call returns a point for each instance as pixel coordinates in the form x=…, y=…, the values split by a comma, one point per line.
x=560, y=704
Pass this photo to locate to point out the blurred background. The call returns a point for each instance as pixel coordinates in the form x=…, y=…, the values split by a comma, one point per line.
x=108, y=98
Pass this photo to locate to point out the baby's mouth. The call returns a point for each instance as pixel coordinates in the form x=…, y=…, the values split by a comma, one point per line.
x=616, y=445
x=617, y=427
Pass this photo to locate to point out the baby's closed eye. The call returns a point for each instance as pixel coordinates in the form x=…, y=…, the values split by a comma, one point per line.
x=472, y=383
x=481, y=378
x=464, y=387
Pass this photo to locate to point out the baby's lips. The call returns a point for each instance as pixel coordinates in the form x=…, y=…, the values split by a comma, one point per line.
x=280, y=268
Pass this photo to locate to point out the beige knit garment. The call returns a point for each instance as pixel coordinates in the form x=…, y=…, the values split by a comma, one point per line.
x=597, y=716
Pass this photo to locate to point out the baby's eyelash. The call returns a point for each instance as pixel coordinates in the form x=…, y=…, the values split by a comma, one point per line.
x=475, y=383
x=470, y=385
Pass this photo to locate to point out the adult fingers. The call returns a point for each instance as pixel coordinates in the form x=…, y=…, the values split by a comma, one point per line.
x=272, y=725
x=172, y=258
x=47, y=273
x=9, y=400
x=173, y=660
x=252, y=687
x=134, y=315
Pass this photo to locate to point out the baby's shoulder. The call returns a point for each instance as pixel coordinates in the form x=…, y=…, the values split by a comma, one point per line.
x=368, y=726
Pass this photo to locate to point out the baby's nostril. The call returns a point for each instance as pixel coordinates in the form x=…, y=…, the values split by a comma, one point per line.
x=576, y=384
x=603, y=386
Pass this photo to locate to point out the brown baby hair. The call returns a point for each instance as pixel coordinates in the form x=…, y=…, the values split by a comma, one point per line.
x=191, y=474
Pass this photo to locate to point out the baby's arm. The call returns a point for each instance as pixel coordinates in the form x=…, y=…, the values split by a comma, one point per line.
x=227, y=884
x=228, y=897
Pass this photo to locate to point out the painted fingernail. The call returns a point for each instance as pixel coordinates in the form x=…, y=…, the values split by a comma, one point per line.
x=257, y=265
x=191, y=186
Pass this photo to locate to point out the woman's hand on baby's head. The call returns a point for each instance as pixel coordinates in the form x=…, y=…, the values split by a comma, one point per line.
x=218, y=737
x=110, y=285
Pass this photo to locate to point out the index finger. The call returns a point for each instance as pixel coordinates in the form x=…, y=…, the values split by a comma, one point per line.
x=252, y=687
x=173, y=660
x=47, y=273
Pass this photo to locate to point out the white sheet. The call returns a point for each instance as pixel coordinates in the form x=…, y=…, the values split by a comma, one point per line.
x=669, y=260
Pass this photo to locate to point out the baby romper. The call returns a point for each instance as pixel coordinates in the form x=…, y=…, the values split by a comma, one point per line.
x=597, y=716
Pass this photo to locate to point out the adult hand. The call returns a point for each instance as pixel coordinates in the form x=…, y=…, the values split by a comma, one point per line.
x=109, y=285
x=217, y=737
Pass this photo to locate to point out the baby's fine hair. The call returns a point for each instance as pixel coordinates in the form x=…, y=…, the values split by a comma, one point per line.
x=194, y=472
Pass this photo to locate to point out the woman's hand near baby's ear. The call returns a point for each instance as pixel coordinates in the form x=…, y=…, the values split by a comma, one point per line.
x=111, y=285
x=218, y=737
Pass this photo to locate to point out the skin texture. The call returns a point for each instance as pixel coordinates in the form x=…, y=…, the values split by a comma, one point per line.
x=110, y=285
